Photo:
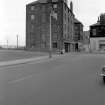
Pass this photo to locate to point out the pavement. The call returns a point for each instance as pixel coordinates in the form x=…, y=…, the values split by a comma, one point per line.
x=13, y=57
x=9, y=55
x=16, y=57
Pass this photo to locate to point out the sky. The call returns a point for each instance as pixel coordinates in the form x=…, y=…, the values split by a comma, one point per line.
x=13, y=17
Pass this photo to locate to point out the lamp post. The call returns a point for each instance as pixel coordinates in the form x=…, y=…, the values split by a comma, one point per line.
x=54, y=15
x=50, y=48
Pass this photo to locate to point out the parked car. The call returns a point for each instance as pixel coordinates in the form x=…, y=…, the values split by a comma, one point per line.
x=103, y=73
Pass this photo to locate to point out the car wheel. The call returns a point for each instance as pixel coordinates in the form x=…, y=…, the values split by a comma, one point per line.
x=104, y=79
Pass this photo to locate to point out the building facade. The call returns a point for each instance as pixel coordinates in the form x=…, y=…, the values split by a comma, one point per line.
x=86, y=41
x=38, y=25
x=97, y=34
x=78, y=34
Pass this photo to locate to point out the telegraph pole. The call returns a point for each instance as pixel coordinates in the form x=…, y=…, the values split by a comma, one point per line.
x=17, y=40
x=7, y=44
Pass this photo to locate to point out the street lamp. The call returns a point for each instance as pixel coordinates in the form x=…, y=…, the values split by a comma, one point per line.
x=50, y=49
x=54, y=15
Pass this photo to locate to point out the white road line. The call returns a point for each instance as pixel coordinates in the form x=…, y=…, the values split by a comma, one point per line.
x=21, y=79
x=20, y=61
x=5, y=68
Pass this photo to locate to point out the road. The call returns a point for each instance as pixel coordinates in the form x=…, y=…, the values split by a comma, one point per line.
x=65, y=80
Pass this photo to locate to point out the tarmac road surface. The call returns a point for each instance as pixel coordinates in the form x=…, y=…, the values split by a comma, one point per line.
x=67, y=80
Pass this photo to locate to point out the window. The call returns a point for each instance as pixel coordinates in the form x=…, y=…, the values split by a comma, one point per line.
x=65, y=17
x=68, y=19
x=76, y=27
x=65, y=6
x=55, y=45
x=55, y=6
x=54, y=0
x=94, y=32
x=43, y=8
x=32, y=8
x=32, y=28
x=43, y=17
x=32, y=17
x=64, y=27
x=43, y=38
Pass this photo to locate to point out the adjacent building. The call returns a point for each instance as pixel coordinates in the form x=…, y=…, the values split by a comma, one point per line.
x=86, y=41
x=97, y=34
x=62, y=25
x=78, y=34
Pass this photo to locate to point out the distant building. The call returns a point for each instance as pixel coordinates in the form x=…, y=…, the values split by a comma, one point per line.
x=38, y=25
x=102, y=19
x=97, y=34
x=86, y=37
x=78, y=34
x=86, y=41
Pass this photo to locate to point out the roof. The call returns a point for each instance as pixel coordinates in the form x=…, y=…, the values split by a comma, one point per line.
x=77, y=21
x=96, y=24
x=43, y=1
x=38, y=1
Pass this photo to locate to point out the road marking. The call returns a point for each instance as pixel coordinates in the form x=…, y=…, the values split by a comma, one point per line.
x=21, y=79
x=19, y=65
x=46, y=59
x=20, y=61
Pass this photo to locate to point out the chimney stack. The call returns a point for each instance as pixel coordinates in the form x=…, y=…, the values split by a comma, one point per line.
x=98, y=19
x=71, y=6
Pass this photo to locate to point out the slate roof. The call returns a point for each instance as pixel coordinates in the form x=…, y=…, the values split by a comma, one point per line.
x=77, y=21
x=96, y=24
x=38, y=1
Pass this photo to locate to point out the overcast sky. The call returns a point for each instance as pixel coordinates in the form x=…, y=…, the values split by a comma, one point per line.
x=12, y=17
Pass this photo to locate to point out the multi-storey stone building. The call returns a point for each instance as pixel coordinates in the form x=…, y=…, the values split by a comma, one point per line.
x=38, y=25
